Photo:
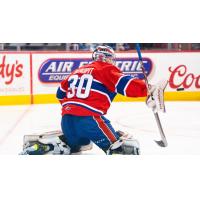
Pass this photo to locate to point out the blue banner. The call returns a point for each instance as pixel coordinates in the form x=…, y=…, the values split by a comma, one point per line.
x=54, y=70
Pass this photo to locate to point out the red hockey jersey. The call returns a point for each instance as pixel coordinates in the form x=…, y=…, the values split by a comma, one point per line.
x=90, y=89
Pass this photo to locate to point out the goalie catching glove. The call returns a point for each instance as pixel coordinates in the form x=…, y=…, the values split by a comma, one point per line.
x=155, y=100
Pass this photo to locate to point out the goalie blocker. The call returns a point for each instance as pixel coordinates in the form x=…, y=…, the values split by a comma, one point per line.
x=54, y=143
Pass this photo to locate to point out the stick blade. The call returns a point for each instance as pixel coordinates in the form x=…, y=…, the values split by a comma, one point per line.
x=161, y=143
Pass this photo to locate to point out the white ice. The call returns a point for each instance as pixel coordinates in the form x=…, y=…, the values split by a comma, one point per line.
x=181, y=124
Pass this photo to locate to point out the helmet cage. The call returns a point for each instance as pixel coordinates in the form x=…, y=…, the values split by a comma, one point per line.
x=104, y=54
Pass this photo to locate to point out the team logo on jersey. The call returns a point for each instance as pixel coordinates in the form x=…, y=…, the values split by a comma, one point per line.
x=54, y=70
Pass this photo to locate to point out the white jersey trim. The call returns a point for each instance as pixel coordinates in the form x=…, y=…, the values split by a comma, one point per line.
x=97, y=81
x=62, y=89
x=102, y=94
x=118, y=83
x=127, y=86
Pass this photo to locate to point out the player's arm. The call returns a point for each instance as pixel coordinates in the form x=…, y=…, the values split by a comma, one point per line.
x=131, y=86
x=61, y=91
x=124, y=84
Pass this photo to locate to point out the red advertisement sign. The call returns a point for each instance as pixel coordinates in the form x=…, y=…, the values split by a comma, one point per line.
x=10, y=71
x=181, y=77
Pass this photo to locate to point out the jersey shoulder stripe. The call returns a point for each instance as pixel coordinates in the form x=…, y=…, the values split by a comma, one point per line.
x=97, y=86
x=122, y=84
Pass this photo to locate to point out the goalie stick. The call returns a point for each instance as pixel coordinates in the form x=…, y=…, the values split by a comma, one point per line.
x=163, y=141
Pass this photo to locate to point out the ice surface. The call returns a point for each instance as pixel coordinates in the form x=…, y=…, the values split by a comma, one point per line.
x=181, y=125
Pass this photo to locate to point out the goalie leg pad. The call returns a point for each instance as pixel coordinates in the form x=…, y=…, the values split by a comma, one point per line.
x=53, y=143
x=37, y=148
x=44, y=144
x=125, y=146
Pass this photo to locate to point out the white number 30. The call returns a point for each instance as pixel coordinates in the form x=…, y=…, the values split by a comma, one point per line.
x=82, y=91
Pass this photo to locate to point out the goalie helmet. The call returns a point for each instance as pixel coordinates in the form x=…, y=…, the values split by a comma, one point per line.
x=104, y=53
